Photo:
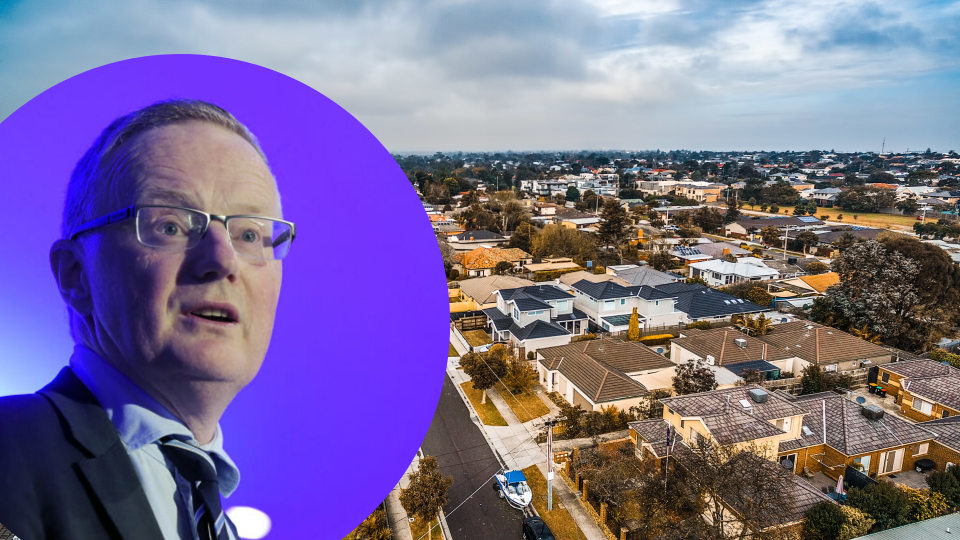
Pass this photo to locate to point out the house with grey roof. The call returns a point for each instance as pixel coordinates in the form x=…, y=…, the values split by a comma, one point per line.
x=599, y=372
x=610, y=305
x=535, y=316
x=731, y=349
x=717, y=272
x=701, y=303
x=642, y=275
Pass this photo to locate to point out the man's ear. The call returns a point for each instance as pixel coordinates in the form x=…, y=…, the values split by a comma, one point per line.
x=66, y=261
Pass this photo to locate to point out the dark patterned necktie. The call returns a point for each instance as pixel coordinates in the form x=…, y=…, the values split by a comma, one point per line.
x=197, y=467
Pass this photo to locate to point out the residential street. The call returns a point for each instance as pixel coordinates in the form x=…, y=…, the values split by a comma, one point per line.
x=463, y=453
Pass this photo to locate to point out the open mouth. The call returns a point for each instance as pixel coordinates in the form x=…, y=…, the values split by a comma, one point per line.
x=216, y=315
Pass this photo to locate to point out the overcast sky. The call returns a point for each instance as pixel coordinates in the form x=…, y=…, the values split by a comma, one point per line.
x=444, y=75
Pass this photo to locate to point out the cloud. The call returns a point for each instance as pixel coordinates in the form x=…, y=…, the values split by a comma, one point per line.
x=503, y=74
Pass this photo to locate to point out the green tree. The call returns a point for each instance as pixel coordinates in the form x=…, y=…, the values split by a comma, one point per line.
x=708, y=218
x=947, y=484
x=520, y=376
x=770, y=235
x=907, y=206
x=698, y=280
x=888, y=505
x=375, y=527
x=615, y=229
x=502, y=267
x=823, y=522
x=855, y=525
x=760, y=296
x=427, y=492
x=811, y=380
x=752, y=202
x=573, y=194
x=660, y=260
x=733, y=211
x=816, y=268
x=560, y=241
x=774, y=209
x=808, y=240
x=484, y=370
x=523, y=236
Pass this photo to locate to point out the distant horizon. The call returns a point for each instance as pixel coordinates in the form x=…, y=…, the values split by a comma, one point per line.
x=582, y=150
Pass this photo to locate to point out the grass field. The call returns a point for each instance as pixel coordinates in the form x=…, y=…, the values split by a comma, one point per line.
x=487, y=412
x=476, y=338
x=894, y=222
x=561, y=524
x=453, y=350
x=419, y=529
x=526, y=406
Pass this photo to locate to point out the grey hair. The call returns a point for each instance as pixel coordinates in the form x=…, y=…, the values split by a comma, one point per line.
x=96, y=182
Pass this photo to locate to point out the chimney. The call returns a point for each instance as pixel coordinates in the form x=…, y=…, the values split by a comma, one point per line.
x=726, y=251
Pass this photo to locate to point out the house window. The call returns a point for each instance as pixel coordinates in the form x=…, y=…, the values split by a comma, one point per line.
x=656, y=303
x=516, y=313
x=886, y=377
x=945, y=414
x=925, y=407
x=623, y=301
x=562, y=305
x=832, y=367
x=792, y=458
x=864, y=462
x=922, y=449
x=609, y=305
x=891, y=461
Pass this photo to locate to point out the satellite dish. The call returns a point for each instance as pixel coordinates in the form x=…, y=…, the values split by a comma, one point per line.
x=861, y=400
x=787, y=464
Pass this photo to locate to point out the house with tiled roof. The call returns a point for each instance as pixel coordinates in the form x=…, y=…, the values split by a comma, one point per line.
x=833, y=350
x=599, y=372
x=535, y=316
x=746, y=228
x=731, y=349
x=838, y=432
x=642, y=275
x=610, y=305
x=480, y=293
x=925, y=389
x=482, y=260
x=469, y=240
x=698, y=302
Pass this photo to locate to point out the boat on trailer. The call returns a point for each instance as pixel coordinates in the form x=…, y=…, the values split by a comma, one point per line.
x=512, y=486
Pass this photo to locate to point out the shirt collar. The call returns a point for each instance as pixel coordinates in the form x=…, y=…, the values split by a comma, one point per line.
x=139, y=418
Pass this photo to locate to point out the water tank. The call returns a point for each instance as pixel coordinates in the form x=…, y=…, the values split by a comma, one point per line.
x=758, y=395
x=872, y=412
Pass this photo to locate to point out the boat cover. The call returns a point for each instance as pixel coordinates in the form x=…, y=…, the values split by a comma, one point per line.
x=515, y=476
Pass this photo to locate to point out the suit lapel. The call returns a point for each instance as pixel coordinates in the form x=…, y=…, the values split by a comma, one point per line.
x=108, y=471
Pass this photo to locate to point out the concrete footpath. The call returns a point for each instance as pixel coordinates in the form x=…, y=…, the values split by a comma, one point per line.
x=516, y=446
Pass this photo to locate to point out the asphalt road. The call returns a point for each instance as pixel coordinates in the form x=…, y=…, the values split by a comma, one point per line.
x=464, y=454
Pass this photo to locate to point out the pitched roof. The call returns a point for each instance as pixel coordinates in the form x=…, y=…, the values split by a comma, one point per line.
x=645, y=275
x=482, y=289
x=539, y=292
x=822, y=344
x=598, y=368
x=930, y=380
x=820, y=282
x=791, y=221
x=715, y=250
x=833, y=236
x=743, y=267
x=701, y=302
x=847, y=430
x=484, y=257
x=466, y=236
x=721, y=344
x=726, y=418
x=572, y=277
x=604, y=290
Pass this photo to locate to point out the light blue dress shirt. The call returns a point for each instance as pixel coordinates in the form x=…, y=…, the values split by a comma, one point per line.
x=141, y=422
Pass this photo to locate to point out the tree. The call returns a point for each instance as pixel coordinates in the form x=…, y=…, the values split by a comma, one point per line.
x=698, y=280
x=427, y=492
x=763, y=207
x=733, y=211
x=770, y=235
x=660, y=260
x=484, y=372
x=502, y=267
x=823, y=522
x=807, y=239
x=774, y=209
x=811, y=380
x=615, y=229
x=708, y=218
x=633, y=331
x=560, y=241
x=907, y=206
x=375, y=527
x=855, y=525
x=476, y=218
x=573, y=194
x=925, y=504
x=947, y=484
x=884, y=502
x=523, y=236
x=816, y=268
x=520, y=376
x=693, y=377
x=760, y=296
x=752, y=376
x=752, y=202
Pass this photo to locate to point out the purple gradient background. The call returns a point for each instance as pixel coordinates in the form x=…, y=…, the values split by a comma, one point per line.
x=356, y=364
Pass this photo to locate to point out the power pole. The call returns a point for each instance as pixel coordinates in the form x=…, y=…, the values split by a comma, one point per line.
x=549, y=425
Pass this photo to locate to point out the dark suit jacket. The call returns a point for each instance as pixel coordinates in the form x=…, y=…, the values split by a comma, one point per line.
x=64, y=474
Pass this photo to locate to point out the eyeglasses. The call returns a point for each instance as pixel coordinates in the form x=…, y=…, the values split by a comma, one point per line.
x=175, y=228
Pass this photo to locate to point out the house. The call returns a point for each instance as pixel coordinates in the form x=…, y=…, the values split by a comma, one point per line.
x=729, y=348
x=747, y=228
x=700, y=192
x=574, y=219
x=642, y=275
x=718, y=272
x=687, y=255
x=803, y=290
x=567, y=280
x=551, y=265
x=599, y=372
x=482, y=260
x=480, y=293
x=832, y=350
x=830, y=237
x=719, y=250
x=938, y=528
x=925, y=389
x=535, y=316
x=610, y=305
x=701, y=303
x=825, y=197
x=837, y=432
x=470, y=240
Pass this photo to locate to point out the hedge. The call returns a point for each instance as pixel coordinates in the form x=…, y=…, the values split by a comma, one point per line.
x=656, y=339
x=553, y=274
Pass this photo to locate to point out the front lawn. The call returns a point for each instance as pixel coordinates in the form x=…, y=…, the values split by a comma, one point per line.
x=488, y=413
x=561, y=524
x=453, y=351
x=476, y=338
x=526, y=406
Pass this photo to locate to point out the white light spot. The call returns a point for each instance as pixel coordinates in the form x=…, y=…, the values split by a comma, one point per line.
x=252, y=524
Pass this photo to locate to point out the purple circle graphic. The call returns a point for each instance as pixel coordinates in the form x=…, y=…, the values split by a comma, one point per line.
x=355, y=367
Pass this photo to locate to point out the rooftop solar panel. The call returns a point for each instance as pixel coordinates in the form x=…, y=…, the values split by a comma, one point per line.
x=808, y=219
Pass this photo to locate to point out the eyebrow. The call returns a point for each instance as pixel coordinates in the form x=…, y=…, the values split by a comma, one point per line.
x=176, y=198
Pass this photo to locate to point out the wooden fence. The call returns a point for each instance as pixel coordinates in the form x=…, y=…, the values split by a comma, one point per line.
x=858, y=378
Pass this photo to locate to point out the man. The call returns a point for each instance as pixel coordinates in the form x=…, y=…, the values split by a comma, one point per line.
x=169, y=263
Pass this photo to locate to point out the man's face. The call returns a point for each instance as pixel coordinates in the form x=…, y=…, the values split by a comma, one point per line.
x=148, y=303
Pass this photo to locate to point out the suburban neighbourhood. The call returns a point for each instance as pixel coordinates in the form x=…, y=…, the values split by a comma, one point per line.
x=692, y=345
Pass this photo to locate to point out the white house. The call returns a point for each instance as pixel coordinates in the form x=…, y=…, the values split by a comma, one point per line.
x=609, y=305
x=535, y=316
x=718, y=272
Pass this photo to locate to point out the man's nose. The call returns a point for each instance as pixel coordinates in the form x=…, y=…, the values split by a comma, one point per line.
x=214, y=256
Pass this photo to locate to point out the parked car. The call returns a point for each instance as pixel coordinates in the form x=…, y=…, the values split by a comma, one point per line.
x=535, y=529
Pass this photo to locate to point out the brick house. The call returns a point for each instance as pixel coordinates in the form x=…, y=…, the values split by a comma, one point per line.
x=924, y=389
x=810, y=343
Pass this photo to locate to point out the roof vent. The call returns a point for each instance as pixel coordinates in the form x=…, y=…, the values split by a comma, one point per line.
x=742, y=343
x=758, y=395
x=711, y=360
x=872, y=412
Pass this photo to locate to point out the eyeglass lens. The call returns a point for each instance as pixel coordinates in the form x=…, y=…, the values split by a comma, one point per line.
x=179, y=229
